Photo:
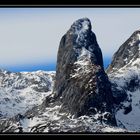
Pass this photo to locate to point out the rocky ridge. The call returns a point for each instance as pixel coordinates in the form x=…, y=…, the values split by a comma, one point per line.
x=124, y=74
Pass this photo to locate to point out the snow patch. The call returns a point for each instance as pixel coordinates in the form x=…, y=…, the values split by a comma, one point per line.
x=131, y=120
x=138, y=36
x=132, y=42
x=85, y=25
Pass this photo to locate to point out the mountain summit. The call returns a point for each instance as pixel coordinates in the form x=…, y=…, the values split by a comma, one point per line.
x=127, y=53
x=81, y=84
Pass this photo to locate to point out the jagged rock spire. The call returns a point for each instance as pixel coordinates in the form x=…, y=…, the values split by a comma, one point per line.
x=81, y=83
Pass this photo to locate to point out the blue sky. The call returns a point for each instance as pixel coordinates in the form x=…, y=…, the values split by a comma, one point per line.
x=29, y=37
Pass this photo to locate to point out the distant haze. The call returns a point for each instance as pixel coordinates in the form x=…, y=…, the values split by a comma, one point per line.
x=30, y=37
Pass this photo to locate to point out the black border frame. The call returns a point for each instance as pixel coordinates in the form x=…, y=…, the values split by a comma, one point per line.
x=70, y=4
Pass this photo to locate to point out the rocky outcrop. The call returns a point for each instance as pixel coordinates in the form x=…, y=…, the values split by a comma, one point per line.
x=81, y=83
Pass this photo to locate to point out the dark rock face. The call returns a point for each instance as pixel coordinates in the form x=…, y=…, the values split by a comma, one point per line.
x=119, y=94
x=81, y=83
x=127, y=53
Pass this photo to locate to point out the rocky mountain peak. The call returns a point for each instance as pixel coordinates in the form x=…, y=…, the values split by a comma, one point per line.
x=134, y=38
x=127, y=55
x=84, y=41
x=81, y=25
x=81, y=84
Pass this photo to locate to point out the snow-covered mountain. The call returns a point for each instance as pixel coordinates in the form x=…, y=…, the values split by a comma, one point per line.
x=124, y=73
x=81, y=100
x=22, y=91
